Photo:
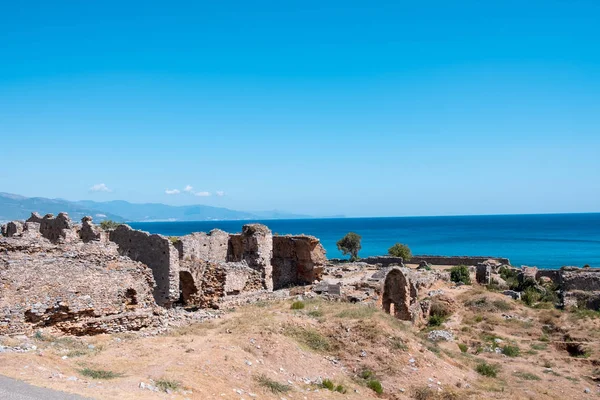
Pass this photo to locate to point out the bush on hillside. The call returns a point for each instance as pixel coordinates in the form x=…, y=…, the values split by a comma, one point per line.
x=460, y=274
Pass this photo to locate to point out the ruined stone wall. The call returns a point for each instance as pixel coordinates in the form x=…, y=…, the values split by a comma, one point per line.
x=89, y=232
x=297, y=260
x=156, y=252
x=204, y=284
x=12, y=228
x=385, y=261
x=76, y=288
x=254, y=246
x=201, y=246
x=59, y=229
x=454, y=260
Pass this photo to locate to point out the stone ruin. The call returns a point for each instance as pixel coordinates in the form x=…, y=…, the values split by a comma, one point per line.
x=83, y=280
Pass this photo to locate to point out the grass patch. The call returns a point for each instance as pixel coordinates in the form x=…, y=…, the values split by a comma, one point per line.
x=315, y=313
x=527, y=376
x=329, y=385
x=310, y=338
x=539, y=346
x=436, y=320
x=167, y=385
x=273, y=386
x=398, y=344
x=357, y=312
x=99, y=373
x=463, y=347
x=511, y=351
x=297, y=305
x=489, y=370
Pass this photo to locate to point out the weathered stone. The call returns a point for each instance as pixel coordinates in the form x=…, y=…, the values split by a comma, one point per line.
x=201, y=246
x=156, y=252
x=59, y=229
x=515, y=295
x=89, y=232
x=12, y=228
x=297, y=260
x=255, y=246
x=483, y=273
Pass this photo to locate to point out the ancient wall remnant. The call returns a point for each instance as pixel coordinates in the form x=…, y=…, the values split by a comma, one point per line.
x=580, y=287
x=455, y=260
x=396, y=294
x=483, y=273
x=255, y=246
x=55, y=229
x=385, y=261
x=297, y=260
x=90, y=232
x=201, y=246
x=76, y=289
x=158, y=253
x=12, y=228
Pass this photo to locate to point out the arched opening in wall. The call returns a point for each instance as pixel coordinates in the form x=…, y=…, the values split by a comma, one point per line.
x=396, y=295
x=187, y=288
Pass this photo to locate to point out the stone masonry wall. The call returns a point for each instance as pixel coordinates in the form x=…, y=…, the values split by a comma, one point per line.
x=255, y=246
x=156, y=252
x=297, y=260
x=201, y=246
x=59, y=229
x=454, y=260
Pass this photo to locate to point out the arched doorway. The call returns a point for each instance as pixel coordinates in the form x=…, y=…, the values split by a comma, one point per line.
x=396, y=294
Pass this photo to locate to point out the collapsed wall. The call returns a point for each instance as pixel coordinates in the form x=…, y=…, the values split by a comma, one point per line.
x=158, y=253
x=76, y=288
x=580, y=287
x=297, y=260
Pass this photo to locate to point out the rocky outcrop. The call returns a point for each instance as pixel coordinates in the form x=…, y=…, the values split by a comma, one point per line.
x=158, y=253
x=297, y=260
x=75, y=288
x=12, y=228
x=580, y=287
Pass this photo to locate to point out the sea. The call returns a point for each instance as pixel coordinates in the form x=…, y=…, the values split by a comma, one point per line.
x=544, y=240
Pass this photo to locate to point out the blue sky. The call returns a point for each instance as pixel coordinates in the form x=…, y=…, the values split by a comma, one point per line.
x=315, y=107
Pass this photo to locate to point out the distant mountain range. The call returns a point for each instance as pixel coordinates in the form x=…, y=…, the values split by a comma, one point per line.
x=14, y=207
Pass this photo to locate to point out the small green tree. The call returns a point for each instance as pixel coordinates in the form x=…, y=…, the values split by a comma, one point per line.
x=350, y=244
x=109, y=224
x=400, y=250
x=460, y=274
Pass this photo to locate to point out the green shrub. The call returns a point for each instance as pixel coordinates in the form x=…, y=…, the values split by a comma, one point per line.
x=298, y=305
x=485, y=369
x=327, y=384
x=315, y=313
x=511, y=351
x=531, y=296
x=108, y=224
x=400, y=250
x=167, y=384
x=460, y=273
x=463, y=347
x=436, y=320
x=309, y=337
x=272, y=385
x=375, y=386
x=367, y=374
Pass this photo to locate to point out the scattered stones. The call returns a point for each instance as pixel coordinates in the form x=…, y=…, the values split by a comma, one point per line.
x=438, y=335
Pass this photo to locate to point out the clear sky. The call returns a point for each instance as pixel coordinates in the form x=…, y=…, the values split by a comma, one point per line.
x=370, y=108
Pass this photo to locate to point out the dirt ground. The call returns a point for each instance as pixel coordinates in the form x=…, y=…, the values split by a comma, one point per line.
x=271, y=351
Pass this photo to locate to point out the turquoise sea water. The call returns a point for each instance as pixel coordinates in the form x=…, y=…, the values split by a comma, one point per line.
x=546, y=241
